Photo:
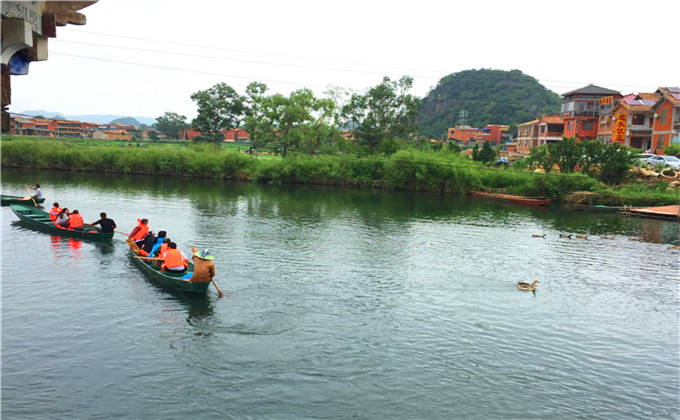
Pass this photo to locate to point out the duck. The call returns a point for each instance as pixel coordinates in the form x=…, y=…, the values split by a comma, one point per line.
x=526, y=286
x=582, y=236
x=565, y=236
x=675, y=247
x=635, y=239
x=606, y=237
x=538, y=236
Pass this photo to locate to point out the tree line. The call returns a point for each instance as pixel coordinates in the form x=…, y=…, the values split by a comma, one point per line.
x=377, y=120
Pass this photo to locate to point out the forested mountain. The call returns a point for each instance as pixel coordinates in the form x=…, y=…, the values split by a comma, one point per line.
x=488, y=96
x=126, y=121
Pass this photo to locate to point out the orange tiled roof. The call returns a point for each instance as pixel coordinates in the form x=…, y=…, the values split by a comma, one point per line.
x=529, y=123
x=552, y=119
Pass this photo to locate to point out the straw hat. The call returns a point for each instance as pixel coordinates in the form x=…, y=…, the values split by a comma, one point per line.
x=205, y=254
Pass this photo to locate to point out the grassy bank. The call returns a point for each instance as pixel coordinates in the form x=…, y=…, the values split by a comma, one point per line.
x=441, y=172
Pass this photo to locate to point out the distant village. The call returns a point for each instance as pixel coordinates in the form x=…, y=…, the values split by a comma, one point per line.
x=43, y=127
x=646, y=121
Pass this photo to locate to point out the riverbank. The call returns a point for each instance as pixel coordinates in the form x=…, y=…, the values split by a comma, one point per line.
x=439, y=172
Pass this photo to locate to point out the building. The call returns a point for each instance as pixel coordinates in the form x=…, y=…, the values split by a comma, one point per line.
x=493, y=133
x=581, y=110
x=231, y=135
x=550, y=129
x=112, y=135
x=527, y=136
x=633, y=121
x=72, y=129
x=666, y=118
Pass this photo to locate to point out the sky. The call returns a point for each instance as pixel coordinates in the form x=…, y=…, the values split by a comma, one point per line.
x=145, y=58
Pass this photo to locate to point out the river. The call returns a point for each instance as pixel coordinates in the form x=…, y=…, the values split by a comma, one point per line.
x=339, y=304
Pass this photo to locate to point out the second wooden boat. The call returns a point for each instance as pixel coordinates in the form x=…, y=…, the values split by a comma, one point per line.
x=537, y=201
x=40, y=220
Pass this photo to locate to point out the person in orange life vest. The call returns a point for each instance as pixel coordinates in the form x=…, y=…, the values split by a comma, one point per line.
x=54, y=212
x=62, y=218
x=75, y=220
x=139, y=232
x=163, y=248
x=174, y=259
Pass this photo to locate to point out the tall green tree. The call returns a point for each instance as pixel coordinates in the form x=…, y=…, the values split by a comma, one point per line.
x=384, y=111
x=297, y=122
x=567, y=153
x=172, y=124
x=220, y=108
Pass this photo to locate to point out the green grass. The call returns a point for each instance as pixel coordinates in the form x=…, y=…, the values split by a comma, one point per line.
x=442, y=172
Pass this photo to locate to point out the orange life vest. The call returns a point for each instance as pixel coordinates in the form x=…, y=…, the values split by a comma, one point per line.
x=174, y=258
x=162, y=250
x=54, y=213
x=141, y=233
x=75, y=221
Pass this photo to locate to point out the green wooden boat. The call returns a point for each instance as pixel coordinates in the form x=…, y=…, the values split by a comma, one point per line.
x=6, y=200
x=167, y=278
x=40, y=220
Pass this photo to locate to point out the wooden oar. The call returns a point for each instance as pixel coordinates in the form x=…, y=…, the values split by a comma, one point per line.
x=149, y=258
x=122, y=233
x=218, y=289
x=29, y=192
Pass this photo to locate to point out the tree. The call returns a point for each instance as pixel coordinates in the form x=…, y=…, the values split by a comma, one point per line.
x=171, y=124
x=297, y=122
x=592, y=157
x=616, y=162
x=567, y=154
x=220, y=108
x=153, y=135
x=486, y=155
x=385, y=111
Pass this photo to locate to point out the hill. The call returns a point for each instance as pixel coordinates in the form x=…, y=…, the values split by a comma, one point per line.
x=488, y=96
x=126, y=121
x=95, y=118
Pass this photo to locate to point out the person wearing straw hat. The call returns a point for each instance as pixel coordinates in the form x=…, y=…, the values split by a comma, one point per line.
x=204, y=267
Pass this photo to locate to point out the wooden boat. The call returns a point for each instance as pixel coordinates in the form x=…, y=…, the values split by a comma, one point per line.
x=6, y=200
x=39, y=219
x=536, y=201
x=166, y=278
x=596, y=208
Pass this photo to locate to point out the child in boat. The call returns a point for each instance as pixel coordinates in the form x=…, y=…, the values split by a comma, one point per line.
x=62, y=218
x=174, y=260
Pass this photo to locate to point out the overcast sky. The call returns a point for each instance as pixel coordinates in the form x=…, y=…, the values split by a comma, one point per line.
x=143, y=58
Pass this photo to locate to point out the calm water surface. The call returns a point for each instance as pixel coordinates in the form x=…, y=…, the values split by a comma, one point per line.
x=340, y=304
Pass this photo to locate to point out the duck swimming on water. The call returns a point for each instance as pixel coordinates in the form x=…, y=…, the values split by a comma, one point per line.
x=538, y=236
x=526, y=286
x=565, y=236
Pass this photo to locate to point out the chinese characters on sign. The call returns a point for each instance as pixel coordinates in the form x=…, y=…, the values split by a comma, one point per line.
x=607, y=100
x=620, y=128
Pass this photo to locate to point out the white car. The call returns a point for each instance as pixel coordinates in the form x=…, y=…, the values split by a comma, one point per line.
x=643, y=157
x=665, y=161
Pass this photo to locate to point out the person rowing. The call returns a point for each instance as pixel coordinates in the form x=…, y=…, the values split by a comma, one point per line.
x=204, y=267
x=107, y=225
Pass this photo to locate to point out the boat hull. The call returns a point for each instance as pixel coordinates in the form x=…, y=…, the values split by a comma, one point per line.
x=6, y=200
x=40, y=220
x=512, y=198
x=166, y=278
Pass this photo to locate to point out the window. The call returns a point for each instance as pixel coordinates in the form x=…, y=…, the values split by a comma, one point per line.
x=638, y=120
x=570, y=126
x=542, y=129
x=662, y=140
x=586, y=125
x=663, y=115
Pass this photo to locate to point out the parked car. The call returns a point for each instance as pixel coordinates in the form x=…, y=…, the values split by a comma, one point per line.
x=643, y=157
x=665, y=161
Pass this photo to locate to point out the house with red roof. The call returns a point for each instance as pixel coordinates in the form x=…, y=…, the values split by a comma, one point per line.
x=666, y=118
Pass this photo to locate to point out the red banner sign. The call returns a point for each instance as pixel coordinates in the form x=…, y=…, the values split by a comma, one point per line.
x=620, y=128
x=607, y=100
